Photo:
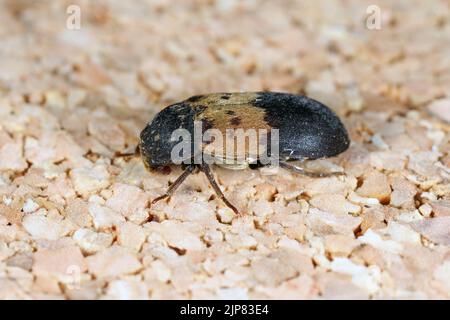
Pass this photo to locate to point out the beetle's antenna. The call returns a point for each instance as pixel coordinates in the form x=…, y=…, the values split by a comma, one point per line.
x=174, y=186
x=302, y=171
x=207, y=170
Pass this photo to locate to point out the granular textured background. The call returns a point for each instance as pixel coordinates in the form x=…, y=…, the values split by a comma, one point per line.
x=73, y=214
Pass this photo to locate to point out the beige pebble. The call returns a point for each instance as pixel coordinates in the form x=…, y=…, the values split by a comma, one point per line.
x=104, y=217
x=372, y=219
x=375, y=240
x=353, y=197
x=323, y=223
x=425, y=210
x=107, y=131
x=127, y=290
x=113, y=261
x=30, y=206
x=282, y=265
x=130, y=235
x=162, y=272
x=403, y=193
x=54, y=99
x=11, y=156
x=387, y=160
x=91, y=242
x=423, y=163
x=127, y=200
x=375, y=185
x=302, y=287
x=442, y=278
x=77, y=212
x=435, y=229
x=440, y=108
x=41, y=227
x=5, y=251
x=334, y=286
x=87, y=180
x=402, y=233
x=340, y=245
x=62, y=263
x=241, y=241
x=334, y=203
x=329, y=185
x=225, y=215
x=441, y=207
x=8, y=233
x=213, y=236
x=177, y=235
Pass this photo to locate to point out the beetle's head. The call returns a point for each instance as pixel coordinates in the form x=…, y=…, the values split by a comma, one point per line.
x=157, y=139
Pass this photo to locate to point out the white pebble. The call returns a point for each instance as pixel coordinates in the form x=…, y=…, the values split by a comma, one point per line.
x=30, y=206
x=425, y=210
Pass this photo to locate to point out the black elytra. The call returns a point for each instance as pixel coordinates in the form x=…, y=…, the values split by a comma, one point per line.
x=307, y=129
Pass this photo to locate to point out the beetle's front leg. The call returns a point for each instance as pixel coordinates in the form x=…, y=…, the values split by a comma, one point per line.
x=176, y=184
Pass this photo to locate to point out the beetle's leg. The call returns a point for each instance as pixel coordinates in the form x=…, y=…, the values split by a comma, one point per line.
x=301, y=170
x=128, y=154
x=207, y=170
x=176, y=184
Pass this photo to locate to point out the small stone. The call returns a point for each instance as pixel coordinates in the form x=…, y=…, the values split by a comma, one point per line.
x=127, y=200
x=161, y=270
x=334, y=203
x=104, y=217
x=213, y=236
x=372, y=219
x=323, y=223
x=425, y=210
x=130, y=235
x=30, y=206
x=42, y=227
x=5, y=251
x=378, y=141
x=441, y=207
x=90, y=179
x=375, y=185
x=225, y=215
x=440, y=108
x=177, y=235
x=340, y=245
x=376, y=241
x=331, y=185
x=11, y=154
x=60, y=263
x=21, y=260
x=127, y=290
x=403, y=193
x=353, y=197
x=112, y=262
x=402, y=233
x=77, y=212
x=92, y=242
x=241, y=241
x=232, y=294
x=435, y=229
x=442, y=277
x=55, y=99
x=387, y=160
x=281, y=265
x=107, y=131
x=334, y=286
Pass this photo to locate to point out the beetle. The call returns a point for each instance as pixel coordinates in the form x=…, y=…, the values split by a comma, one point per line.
x=307, y=129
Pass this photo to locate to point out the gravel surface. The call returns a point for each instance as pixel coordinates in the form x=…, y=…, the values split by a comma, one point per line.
x=74, y=215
